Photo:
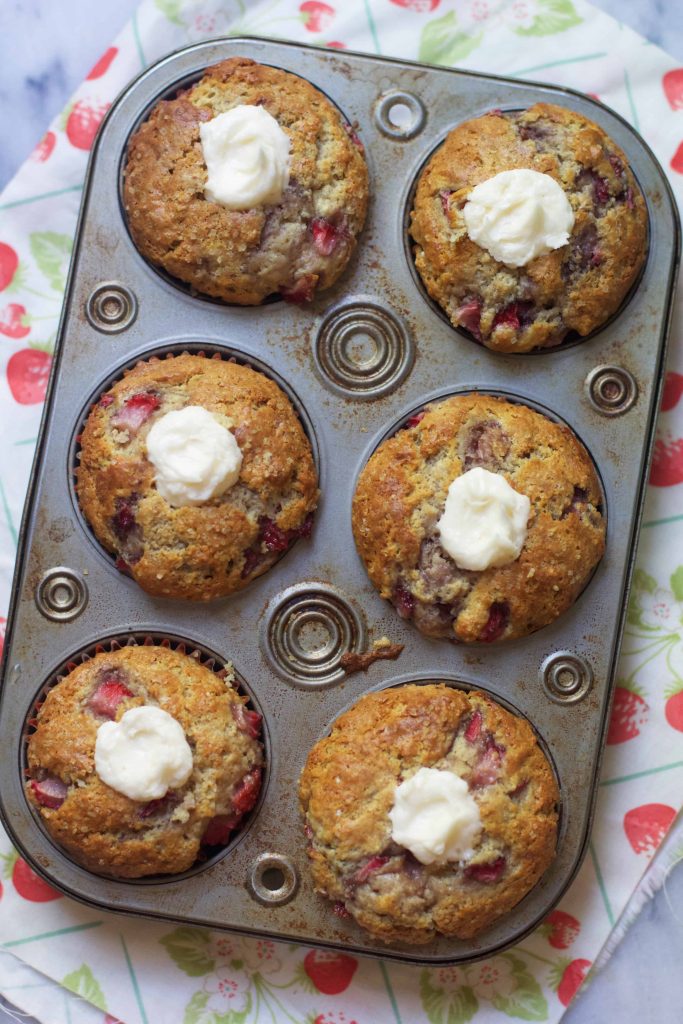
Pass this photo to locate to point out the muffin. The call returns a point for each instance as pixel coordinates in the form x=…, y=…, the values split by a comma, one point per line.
x=573, y=288
x=107, y=831
x=293, y=240
x=350, y=788
x=402, y=497
x=206, y=546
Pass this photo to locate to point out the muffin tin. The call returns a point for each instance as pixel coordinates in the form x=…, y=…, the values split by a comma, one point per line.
x=358, y=361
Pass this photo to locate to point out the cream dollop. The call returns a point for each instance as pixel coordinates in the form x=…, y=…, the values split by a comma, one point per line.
x=246, y=154
x=144, y=754
x=485, y=520
x=435, y=817
x=196, y=458
x=518, y=215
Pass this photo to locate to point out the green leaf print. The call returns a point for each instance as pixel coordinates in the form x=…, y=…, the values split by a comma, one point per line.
x=189, y=947
x=677, y=583
x=447, y=1006
x=443, y=43
x=52, y=253
x=527, y=1001
x=197, y=1012
x=553, y=16
x=83, y=984
x=643, y=581
x=172, y=9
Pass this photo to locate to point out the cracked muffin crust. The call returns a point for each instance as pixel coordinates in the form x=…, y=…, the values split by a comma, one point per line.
x=571, y=289
x=347, y=790
x=401, y=494
x=209, y=550
x=293, y=248
x=104, y=830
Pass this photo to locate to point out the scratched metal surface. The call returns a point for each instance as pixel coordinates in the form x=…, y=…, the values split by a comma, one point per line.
x=376, y=333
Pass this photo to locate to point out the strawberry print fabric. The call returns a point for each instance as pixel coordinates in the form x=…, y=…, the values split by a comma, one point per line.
x=142, y=972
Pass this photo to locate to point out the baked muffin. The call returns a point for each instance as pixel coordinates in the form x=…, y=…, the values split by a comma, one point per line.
x=294, y=241
x=573, y=288
x=402, y=497
x=206, y=546
x=107, y=831
x=350, y=789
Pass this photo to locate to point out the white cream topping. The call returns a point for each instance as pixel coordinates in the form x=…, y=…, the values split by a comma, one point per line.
x=485, y=520
x=144, y=754
x=518, y=215
x=246, y=153
x=196, y=458
x=435, y=817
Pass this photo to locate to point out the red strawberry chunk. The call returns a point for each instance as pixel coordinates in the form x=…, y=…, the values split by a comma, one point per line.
x=247, y=791
x=106, y=698
x=413, y=421
x=50, y=791
x=123, y=520
x=306, y=528
x=325, y=235
x=339, y=909
x=252, y=559
x=445, y=197
x=499, y=616
x=247, y=721
x=369, y=868
x=351, y=131
x=403, y=601
x=135, y=411
x=487, y=767
x=106, y=401
x=157, y=806
x=486, y=873
x=273, y=536
x=600, y=189
x=469, y=316
x=473, y=727
x=301, y=291
x=218, y=830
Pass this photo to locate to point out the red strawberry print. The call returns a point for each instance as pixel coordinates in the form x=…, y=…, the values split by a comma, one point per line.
x=646, y=826
x=28, y=884
x=28, y=372
x=336, y=46
x=560, y=929
x=419, y=6
x=83, y=122
x=9, y=261
x=673, y=389
x=331, y=973
x=13, y=321
x=672, y=83
x=677, y=160
x=674, y=709
x=44, y=148
x=629, y=714
x=103, y=64
x=108, y=1019
x=571, y=980
x=317, y=16
x=333, y=1018
x=667, y=463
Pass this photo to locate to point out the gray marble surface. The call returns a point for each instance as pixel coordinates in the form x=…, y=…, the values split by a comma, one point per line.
x=43, y=57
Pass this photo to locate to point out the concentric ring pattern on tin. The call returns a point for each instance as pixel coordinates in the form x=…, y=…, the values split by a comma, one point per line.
x=360, y=359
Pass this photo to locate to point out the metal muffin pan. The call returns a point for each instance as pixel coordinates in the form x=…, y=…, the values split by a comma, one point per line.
x=359, y=359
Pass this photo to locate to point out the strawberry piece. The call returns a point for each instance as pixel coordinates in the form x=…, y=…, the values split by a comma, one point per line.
x=325, y=235
x=629, y=714
x=469, y=316
x=403, y=601
x=499, y=616
x=163, y=803
x=50, y=791
x=487, y=767
x=515, y=315
x=246, y=792
x=487, y=446
x=301, y=291
x=252, y=559
x=123, y=520
x=369, y=868
x=274, y=538
x=617, y=164
x=219, y=829
x=340, y=910
x=106, y=698
x=486, y=873
x=519, y=789
x=351, y=131
x=135, y=411
x=413, y=421
x=306, y=528
x=473, y=727
x=601, y=191
x=106, y=401
x=445, y=197
x=247, y=721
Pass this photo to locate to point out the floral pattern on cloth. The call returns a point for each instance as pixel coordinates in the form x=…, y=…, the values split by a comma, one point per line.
x=148, y=971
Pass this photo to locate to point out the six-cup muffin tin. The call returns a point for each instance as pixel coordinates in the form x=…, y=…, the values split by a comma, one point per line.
x=356, y=363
